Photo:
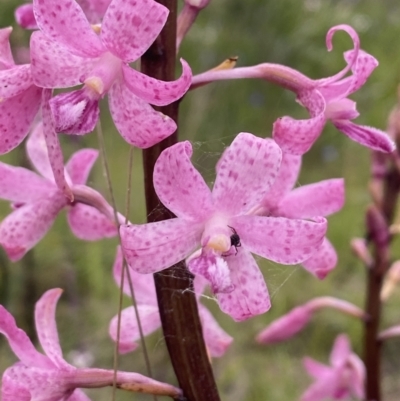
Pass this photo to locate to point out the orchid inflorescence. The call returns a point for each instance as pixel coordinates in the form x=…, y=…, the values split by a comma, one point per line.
x=253, y=208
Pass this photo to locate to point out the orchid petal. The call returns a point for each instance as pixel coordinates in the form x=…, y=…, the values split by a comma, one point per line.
x=19, y=342
x=129, y=333
x=89, y=224
x=143, y=284
x=179, y=186
x=286, y=180
x=16, y=117
x=53, y=146
x=25, y=17
x=358, y=375
x=80, y=164
x=322, y=261
x=6, y=58
x=286, y=326
x=20, y=185
x=64, y=22
x=297, y=136
x=370, y=137
x=340, y=351
x=216, y=339
x=286, y=241
x=36, y=149
x=322, y=389
x=25, y=227
x=138, y=123
x=130, y=27
x=15, y=80
x=45, y=311
x=152, y=247
x=320, y=199
x=154, y=91
x=245, y=172
x=65, y=70
x=78, y=395
x=94, y=9
x=316, y=369
x=250, y=296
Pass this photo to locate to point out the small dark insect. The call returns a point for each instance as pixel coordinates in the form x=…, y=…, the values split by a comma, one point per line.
x=235, y=239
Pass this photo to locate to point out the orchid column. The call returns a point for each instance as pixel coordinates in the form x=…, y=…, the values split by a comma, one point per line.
x=178, y=307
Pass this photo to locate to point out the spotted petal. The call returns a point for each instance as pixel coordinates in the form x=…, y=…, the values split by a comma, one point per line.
x=322, y=261
x=320, y=199
x=180, y=187
x=286, y=241
x=15, y=80
x=152, y=247
x=245, y=173
x=154, y=91
x=250, y=296
x=64, y=22
x=137, y=122
x=80, y=164
x=6, y=58
x=130, y=27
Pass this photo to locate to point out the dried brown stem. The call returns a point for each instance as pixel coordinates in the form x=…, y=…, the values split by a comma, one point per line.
x=177, y=303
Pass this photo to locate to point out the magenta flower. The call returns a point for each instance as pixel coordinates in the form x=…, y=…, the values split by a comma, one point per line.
x=319, y=199
x=37, y=200
x=50, y=377
x=220, y=223
x=217, y=340
x=325, y=99
x=344, y=378
x=20, y=99
x=68, y=52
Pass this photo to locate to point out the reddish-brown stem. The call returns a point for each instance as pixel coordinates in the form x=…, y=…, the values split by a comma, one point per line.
x=379, y=218
x=176, y=300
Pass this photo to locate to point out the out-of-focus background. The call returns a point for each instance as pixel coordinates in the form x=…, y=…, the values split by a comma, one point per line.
x=289, y=32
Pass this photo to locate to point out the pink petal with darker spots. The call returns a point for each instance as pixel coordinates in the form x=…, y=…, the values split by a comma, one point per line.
x=322, y=261
x=65, y=69
x=45, y=321
x=282, y=240
x=25, y=17
x=370, y=137
x=180, y=187
x=20, y=343
x=245, y=172
x=250, y=296
x=152, y=247
x=21, y=230
x=15, y=81
x=130, y=26
x=89, y=224
x=16, y=117
x=154, y=91
x=320, y=199
x=64, y=22
x=138, y=123
x=20, y=185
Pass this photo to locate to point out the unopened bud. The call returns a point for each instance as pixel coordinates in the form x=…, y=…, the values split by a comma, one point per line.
x=392, y=279
x=360, y=249
x=377, y=227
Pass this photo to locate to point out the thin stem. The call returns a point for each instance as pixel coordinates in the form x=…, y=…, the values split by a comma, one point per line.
x=176, y=299
x=116, y=219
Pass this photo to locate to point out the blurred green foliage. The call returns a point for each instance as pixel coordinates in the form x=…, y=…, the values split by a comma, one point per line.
x=289, y=32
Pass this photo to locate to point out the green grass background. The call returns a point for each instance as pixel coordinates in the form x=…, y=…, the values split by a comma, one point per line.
x=289, y=32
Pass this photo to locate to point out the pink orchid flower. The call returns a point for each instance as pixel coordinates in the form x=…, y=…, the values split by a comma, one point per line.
x=344, y=378
x=50, y=377
x=217, y=340
x=319, y=199
x=20, y=99
x=37, y=200
x=61, y=58
x=219, y=221
x=325, y=99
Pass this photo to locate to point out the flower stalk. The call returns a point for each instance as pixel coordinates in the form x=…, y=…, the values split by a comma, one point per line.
x=178, y=306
